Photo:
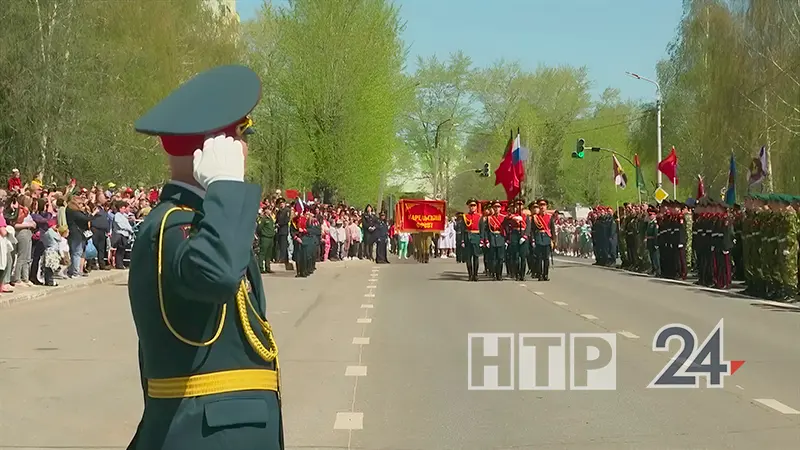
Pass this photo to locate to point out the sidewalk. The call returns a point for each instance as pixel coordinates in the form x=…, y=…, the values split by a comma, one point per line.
x=23, y=294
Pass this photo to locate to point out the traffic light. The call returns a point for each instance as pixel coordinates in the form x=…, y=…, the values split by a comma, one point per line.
x=578, y=153
x=485, y=171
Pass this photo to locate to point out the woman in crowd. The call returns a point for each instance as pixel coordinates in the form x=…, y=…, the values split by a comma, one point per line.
x=23, y=228
x=6, y=248
x=368, y=225
x=78, y=225
x=43, y=216
x=447, y=240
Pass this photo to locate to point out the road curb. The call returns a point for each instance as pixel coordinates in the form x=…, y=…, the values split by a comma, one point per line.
x=729, y=293
x=37, y=292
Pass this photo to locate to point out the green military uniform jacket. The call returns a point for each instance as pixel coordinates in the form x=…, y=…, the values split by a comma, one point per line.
x=206, y=262
x=266, y=228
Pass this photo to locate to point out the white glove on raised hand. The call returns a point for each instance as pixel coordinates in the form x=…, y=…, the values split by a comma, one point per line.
x=222, y=158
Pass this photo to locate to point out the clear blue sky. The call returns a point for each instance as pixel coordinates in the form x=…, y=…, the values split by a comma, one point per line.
x=610, y=37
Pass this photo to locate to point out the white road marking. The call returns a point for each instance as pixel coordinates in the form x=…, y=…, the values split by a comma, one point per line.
x=777, y=406
x=538, y=293
x=523, y=285
x=349, y=421
x=367, y=306
x=361, y=340
x=369, y=295
x=364, y=320
x=589, y=316
x=355, y=371
x=628, y=334
x=560, y=303
x=371, y=286
x=739, y=387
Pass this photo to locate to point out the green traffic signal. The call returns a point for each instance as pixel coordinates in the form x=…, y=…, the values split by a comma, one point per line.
x=578, y=153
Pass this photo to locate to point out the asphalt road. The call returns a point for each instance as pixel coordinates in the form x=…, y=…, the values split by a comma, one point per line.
x=376, y=357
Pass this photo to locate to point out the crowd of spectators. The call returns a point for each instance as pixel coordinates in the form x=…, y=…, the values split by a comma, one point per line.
x=55, y=232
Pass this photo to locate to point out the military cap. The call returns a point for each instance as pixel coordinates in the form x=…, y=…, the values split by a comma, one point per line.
x=497, y=203
x=532, y=204
x=472, y=201
x=652, y=209
x=542, y=201
x=217, y=101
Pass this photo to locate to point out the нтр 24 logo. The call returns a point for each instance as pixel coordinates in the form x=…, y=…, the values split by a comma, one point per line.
x=691, y=363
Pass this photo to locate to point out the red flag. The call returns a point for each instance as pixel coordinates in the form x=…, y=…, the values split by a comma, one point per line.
x=506, y=174
x=701, y=188
x=669, y=166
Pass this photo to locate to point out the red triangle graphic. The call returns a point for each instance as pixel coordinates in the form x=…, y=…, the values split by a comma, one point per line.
x=735, y=365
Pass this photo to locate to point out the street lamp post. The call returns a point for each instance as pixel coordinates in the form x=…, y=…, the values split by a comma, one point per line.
x=658, y=107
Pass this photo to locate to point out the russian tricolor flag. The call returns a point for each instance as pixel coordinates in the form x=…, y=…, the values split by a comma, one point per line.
x=518, y=155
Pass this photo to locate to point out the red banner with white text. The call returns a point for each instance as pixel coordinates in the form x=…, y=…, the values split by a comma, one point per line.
x=413, y=216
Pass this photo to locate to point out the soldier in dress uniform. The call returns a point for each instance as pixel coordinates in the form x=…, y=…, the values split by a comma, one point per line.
x=460, y=229
x=484, y=227
x=543, y=240
x=722, y=239
x=533, y=256
x=299, y=234
x=683, y=231
x=207, y=355
x=651, y=240
x=518, y=237
x=495, y=241
x=471, y=239
x=265, y=229
x=283, y=217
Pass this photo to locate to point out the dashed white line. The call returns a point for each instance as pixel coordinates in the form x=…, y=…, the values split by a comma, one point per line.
x=371, y=286
x=628, y=334
x=364, y=320
x=560, y=303
x=367, y=306
x=739, y=387
x=523, y=285
x=589, y=317
x=355, y=371
x=369, y=295
x=777, y=406
x=349, y=421
x=361, y=340
x=538, y=293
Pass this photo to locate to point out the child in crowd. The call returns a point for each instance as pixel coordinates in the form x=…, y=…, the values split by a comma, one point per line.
x=402, y=245
x=52, y=251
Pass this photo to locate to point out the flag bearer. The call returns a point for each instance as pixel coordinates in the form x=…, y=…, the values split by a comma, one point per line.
x=518, y=233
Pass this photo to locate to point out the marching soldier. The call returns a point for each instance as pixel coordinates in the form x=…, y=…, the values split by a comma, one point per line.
x=265, y=229
x=495, y=241
x=484, y=227
x=207, y=356
x=518, y=237
x=543, y=240
x=471, y=241
x=533, y=255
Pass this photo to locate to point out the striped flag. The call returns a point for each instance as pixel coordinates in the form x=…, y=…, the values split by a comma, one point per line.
x=620, y=179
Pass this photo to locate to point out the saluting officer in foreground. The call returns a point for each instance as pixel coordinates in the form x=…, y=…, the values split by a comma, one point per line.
x=207, y=356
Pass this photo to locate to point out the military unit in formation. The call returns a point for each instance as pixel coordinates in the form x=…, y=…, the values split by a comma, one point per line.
x=718, y=242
